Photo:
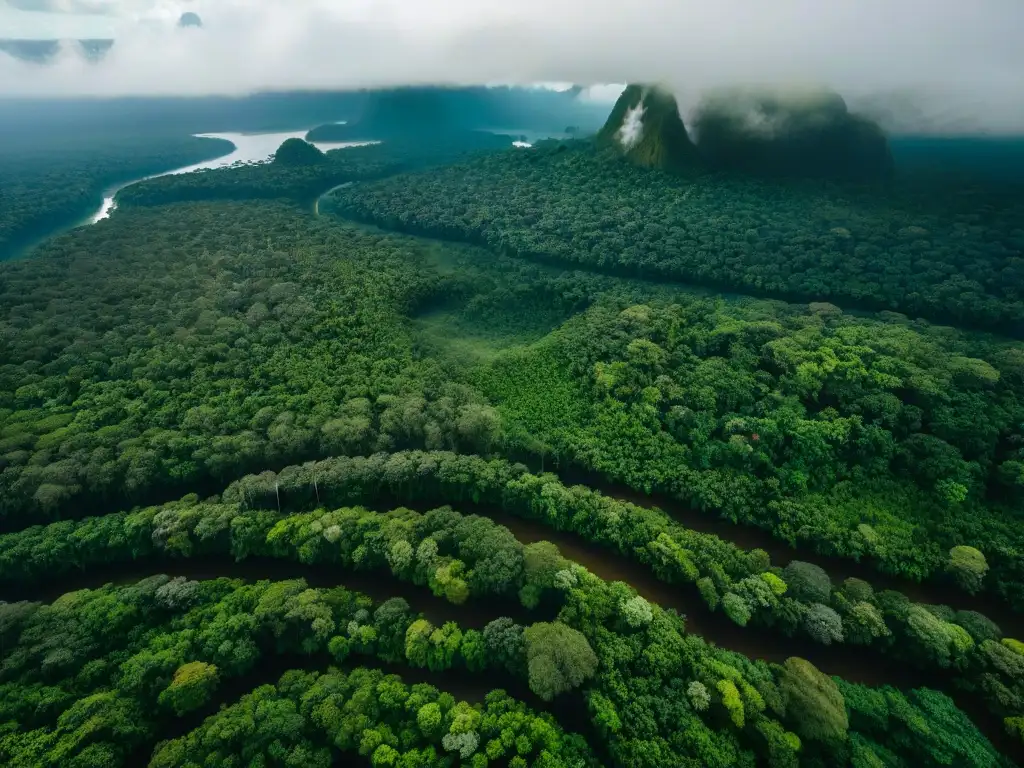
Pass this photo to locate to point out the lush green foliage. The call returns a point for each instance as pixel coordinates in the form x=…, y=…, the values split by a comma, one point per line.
x=304, y=177
x=51, y=184
x=174, y=349
x=282, y=339
x=459, y=558
x=799, y=599
x=559, y=658
x=815, y=700
x=943, y=252
x=192, y=686
x=640, y=698
x=307, y=717
x=858, y=437
x=91, y=679
x=298, y=152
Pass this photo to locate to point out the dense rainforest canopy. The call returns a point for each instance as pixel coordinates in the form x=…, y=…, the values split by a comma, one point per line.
x=298, y=152
x=933, y=246
x=302, y=172
x=45, y=187
x=468, y=463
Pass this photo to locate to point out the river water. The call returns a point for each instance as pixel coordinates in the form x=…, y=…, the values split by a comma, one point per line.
x=249, y=148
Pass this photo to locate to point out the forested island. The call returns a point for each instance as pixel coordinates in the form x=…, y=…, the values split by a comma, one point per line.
x=441, y=452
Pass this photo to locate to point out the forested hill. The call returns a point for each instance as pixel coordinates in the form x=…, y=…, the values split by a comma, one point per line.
x=799, y=133
x=646, y=128
x=938, y=249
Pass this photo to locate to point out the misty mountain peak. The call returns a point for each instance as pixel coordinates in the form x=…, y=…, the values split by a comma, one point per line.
x=789, y=132
x=646, y=127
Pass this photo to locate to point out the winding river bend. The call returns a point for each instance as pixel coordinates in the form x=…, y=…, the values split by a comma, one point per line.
x=248, y=148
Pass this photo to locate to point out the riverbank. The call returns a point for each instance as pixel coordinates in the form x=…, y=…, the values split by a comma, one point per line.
x=109, y=195
x=247, y=148
x=226, y=149
x=316, y=203
x=95, y=199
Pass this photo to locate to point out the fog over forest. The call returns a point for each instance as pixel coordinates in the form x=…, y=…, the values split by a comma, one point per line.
x=946, y=67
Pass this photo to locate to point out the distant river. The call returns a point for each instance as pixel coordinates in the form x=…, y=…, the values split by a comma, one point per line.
x=249, y=148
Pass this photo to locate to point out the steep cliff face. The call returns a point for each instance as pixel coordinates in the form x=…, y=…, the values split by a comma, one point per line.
x=646, y=127
x=805, y=133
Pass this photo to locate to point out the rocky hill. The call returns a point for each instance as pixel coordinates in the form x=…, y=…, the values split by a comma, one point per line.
x=646, y=127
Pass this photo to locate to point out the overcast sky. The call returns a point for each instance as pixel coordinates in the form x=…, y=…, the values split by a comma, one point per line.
x=945, y=64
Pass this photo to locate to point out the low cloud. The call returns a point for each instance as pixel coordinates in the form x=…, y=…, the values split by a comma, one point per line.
x=632, y=128
x=65, y=6
x=919, y=64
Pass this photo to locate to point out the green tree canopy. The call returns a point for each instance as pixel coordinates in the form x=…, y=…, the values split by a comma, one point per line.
x=814, y=704
x=559, y=658
x=192, y=686
x=298, y=152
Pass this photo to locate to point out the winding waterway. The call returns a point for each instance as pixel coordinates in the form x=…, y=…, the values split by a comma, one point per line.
x=248, y=148
x=379, y=585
